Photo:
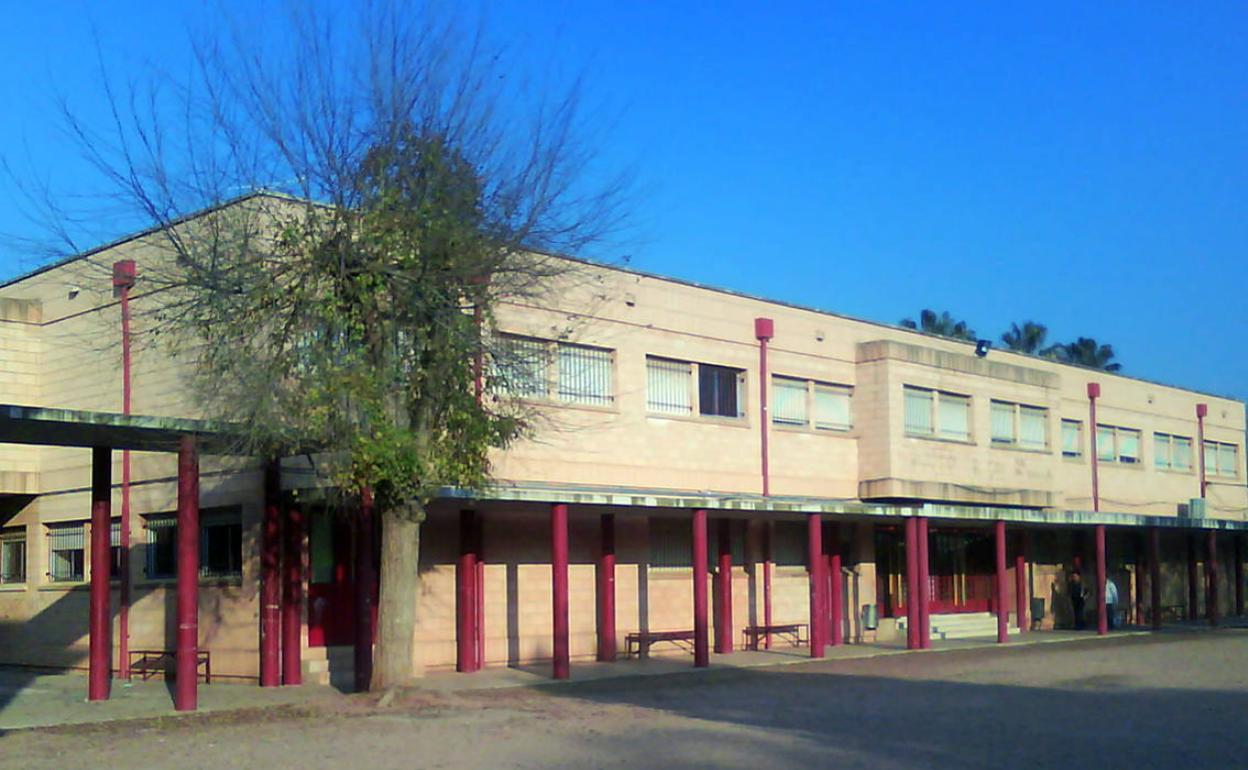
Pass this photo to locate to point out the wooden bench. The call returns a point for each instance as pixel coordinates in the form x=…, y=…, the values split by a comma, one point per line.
x=797, y=631
x=642, y=640
x=151, y=662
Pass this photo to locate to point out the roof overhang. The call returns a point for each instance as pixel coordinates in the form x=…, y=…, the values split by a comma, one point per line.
x=40, y=426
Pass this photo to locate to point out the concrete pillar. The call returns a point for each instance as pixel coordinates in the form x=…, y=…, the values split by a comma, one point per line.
x=912, y=583
x=466, y=594
x=1211, y=577
x=701, y=652
x=1021, y=594
x=769, y=529
x=723, y=589
x=99, y=659
x=1154, y=576
x=836, y=589
x=606, y=590
x=1102, y=617
x=271, y=577
x=186, y=694
x=814, y=562
x=925, y=586
x=365, y=580
x=292, y=599
x=1193, y=580
x=1003, y=609
x=561, y=666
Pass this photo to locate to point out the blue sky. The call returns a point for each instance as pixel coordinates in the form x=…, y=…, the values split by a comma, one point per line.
x=1083, y=165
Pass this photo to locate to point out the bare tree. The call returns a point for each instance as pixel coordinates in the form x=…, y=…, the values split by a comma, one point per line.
x=335, y=216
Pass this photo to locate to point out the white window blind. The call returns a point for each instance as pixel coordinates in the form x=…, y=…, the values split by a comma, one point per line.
x=585, y=375
x=918, y=412
x=522, y=367
x=114, y=534
x=954, y=420
x=1162, y=450
x=1128, y=445
x=789, y=396
x=1072, y=438
x=1033, y=427
x=1228, y=460
x=1181, y=453
x=668, y=388
x=832, y=407
x=1002, y=415
x=1105, y=443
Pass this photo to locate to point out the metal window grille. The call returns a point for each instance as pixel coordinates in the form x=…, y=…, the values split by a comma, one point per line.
x=162, y=545
x=1033, y=427
x=585, y=375
x=1002, y=418
x=221, y=544
x=1072, y=438
x=671, y=544
x=919, y=411
x=66, y=552
x=521, y=367
x=954, y=418
x=832, y=407
x=13, y=555
x=668, y=386
x=789, y=397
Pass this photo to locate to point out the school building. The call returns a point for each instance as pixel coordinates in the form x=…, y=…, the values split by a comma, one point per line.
x=710, y=470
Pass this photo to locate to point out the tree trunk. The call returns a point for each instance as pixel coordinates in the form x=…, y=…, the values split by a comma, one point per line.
x=395, y=664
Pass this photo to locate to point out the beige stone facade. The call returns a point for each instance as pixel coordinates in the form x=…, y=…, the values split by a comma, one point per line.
x=855, y=448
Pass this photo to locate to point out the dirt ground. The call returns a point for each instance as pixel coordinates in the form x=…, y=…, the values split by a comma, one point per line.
x=1165, y=701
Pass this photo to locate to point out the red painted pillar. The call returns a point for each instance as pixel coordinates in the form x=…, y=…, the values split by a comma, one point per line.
x=559, y=588
x=186, y=686
x=723, y=589
x=925, y=589
x=1003, y=609
x=1102, y=617
x=1193, y=595
x=1239, y=575
x=465, y=595
x=124, y=276
x=768, y=531
x=270, y=577
x=1094, y=392
x=1211, y=578
x=292, y=599
x=100, y=613
x=764, y=330
x=701, y=655
x=606, y=591
x=836, y=590
x=1154, y=575
x=912, y=584
x=1021, y=594
x=814, y=562
x=365, y=579
x=478, y=596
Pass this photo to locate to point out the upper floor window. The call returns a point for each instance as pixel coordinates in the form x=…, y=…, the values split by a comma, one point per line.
x=670, y=388
x=66, y=552
x=1115, y=444
x=114, y=550
x=1019, y=425
x=557, y=371
x=1172, y=452
x=1072, y=438
x=937, y=413
x=795, y=401
x=1221, y=459
x=13, y=555
x=220, y=544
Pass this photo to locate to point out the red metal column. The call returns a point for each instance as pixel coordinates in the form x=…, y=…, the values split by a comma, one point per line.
x=270, y=577
x=1239, y=575
x=1003, y=610
x=186, y=686
x=701, y=655
x=559, y=588
x=1211, y=577
x=912, y=584
x=1154, y=575
x=1021, y=594
x=465, y=595
x=814, y=563
x=292, y=599
x=925, y=587
x=124, y=276
x=365, y=578
x=606, y=591
x=768, y=530
x=1201, y=411
x=764, y=330
x=1140, y=564
x=836, y=589
x=478, y=595
x=723, y=589
x=1193, y=595
x=1102, y=618
x=99, y=615
x=1094, y=392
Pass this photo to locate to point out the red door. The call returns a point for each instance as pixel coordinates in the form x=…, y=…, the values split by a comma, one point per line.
x=331, y=589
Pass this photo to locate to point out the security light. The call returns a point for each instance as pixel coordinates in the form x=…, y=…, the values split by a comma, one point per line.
x=981, y=347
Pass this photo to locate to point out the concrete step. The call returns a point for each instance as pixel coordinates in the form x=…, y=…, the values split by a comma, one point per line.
x=969, y=625
x=329, y=665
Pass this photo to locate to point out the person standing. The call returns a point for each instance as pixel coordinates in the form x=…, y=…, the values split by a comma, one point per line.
x=1111, y=601
x=1077, y=594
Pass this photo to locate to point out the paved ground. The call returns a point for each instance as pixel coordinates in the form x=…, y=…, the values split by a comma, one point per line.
x=1176, y=699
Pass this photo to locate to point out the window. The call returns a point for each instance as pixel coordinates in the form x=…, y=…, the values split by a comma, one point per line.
x=114, y=550
x=65, y=552
x=669, y=388
x=937, y=413
x=1172, y=452
x=793, y=399
x=1115, y=444
x=1221, y=459
x=1020, y=425
x=220, y=544
x=538, y=369
x=719, y=391
x=13, y=555
x=1072, y=438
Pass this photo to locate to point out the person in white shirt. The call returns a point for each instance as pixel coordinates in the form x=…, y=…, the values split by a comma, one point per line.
x=1111, y=600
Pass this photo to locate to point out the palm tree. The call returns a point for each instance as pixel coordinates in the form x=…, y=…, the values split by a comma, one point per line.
x=1028, y=338
x=1086, y=352
x=944, y=325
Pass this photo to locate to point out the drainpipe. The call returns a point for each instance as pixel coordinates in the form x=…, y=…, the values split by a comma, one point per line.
x=764, y=330
x=1201, y=411
x=1094, y=392
x=124, y=274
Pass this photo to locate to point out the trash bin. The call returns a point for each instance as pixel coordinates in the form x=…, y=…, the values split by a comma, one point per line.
x=870, y=617
x=1037, y=611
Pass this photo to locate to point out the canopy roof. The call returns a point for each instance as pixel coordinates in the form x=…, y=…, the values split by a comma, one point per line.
x=75, y=428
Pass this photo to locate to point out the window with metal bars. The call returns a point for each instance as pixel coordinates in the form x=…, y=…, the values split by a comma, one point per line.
x=13, y=555
x=220, y=544
x=66, y=552
x=530, y=368
x=114, y=550
x=669, y=386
